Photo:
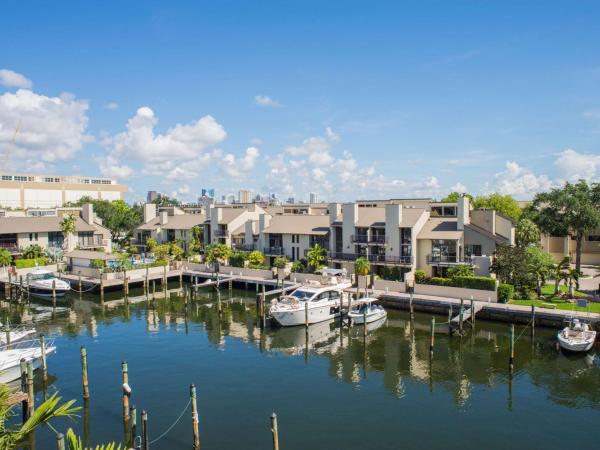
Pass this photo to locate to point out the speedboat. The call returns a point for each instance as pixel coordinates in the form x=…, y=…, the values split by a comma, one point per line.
x=315, y=301
x=577, y=337
x=10, y=361
x=40, y=282
x=365, y=310
x=12, y=335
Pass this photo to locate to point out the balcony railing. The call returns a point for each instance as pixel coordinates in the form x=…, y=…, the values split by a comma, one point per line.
x=359, y=239
x=12, y=247
x=96, y=241
x=221, y=233
x=447, y=260
x=276, y=251
x=379, y=239
x=377, y=259
x=243, y=247
x=343, y=256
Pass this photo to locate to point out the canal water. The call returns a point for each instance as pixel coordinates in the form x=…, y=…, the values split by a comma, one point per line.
x=333, y=389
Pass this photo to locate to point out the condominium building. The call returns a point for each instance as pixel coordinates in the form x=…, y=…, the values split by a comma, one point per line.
x=22, y=191
x=244, y=196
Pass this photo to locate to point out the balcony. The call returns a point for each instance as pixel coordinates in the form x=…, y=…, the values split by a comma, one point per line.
x=447, y=260
x=378, y=239
x=12, y=247
x=243, y=247
x=92, y=242
x=274, y=251
x=343, y=256
x=221, y=233
x=391, y=260
x=359, y=239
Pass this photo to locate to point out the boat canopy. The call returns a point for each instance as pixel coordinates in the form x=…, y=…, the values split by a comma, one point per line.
x=333, y=272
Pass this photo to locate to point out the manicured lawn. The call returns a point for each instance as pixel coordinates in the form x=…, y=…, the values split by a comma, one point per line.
x=560, y=303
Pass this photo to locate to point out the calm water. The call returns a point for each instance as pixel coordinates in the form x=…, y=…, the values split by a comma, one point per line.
x=337, y=391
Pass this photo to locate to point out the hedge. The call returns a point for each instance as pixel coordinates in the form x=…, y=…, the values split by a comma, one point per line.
x=505, y=293
x=26, y=263
x=420, y=276
x=481, y=283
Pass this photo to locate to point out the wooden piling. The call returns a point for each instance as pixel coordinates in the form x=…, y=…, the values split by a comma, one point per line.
x=9, y=285
x=101, y=288
x=84, y=373
x=511, y=353
x=146, y=287
x=410, y=306
x=133, y=421
x=472, y=311
x=21, y=286
x=54, y=293
x=461, y=313
x=145, y=443
x=44, y=365
x=24, y=402
x=432, y=337
x=306, y=314
x=275, y=431
x=450, y=320
x=7, y=335
x=532, y=317
x=153, y=288
x=60, y=441
x=125, y=374
x=181, y=279
x=365, y=323
x=30, y=392
x=194, y=417
x=80, y=287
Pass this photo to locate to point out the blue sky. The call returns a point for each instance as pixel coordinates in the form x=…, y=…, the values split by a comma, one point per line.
x=346, y=99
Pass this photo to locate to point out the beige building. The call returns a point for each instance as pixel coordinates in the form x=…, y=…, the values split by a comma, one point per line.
x=559, y=247
x=22, y=191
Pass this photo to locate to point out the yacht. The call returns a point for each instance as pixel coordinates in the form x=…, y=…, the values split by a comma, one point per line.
x=10, y=360
x=39, y=283
x=577, y=337
x=320, y=300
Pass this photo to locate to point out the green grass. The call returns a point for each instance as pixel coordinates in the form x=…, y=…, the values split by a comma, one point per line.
x=560, y=303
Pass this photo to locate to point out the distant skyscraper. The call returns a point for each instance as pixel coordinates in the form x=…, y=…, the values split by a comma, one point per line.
x=229, y=199
x=244, y=196
x=152, y=195
x=208, y=192
x=313, y=197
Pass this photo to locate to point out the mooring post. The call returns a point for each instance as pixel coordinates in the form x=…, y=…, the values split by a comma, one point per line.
x=145, y=444
x=472, y=311
x=80, y=288
x=7, y=336
x=306, y=314
x=9, y=285
x=219, y=305
x=133, y=416
x=194, y=417
x=432, y=337
x=410, y=305
x=30, y=393
x=54, y=293
x=21, y=286
x=274, y=431
x=153, y=289
x=60, y=441
x=181, y=279
x=461, y=314
x=165, y=274
x=101, y=288
x=532, y=317
x=511, y=355
x=365, y=323
x=24, y=402
x=450, y=320
x=84, y=373
x=146, y=287
x=126, y=390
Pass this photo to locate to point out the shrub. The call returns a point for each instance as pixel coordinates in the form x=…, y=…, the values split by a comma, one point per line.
x=299, y=266
x=460, y=270
x=97, y=264
x=438, y=281
x=26, y=263
x=280, y=262
x=33, y=251
x=420, y=276
x=392, y=273
x=256, y=258
x=238, y=259
x=483, y=283
x=505, y=293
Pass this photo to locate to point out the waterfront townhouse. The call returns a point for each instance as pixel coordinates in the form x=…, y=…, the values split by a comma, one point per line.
x=292, y=235
x=233, y=225
x=20, y=229
x=169, y=224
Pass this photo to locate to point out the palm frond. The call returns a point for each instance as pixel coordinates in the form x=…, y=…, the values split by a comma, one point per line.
x=74, y=443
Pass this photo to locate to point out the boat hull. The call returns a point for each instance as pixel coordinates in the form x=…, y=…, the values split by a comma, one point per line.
x=13, y=372
x=316, y=314
x=576, y=345
x=359, y=319
x=45, y=293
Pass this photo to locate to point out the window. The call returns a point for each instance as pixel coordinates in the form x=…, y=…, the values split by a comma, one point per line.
x=6, y=177
x=334, y=295
x=405, y=242
x=473, y=250
x=594, y=237
x=36, y=236
x=31, y=236
x=20, y=178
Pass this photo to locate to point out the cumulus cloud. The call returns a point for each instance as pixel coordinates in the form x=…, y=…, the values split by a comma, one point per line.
x=113, y=106
x=265, y=100
x=10, y=78
x=49, y=128
x=237, y=167
x=458, y=187
x=110, y=167
x=573, y=166
x=520, y=181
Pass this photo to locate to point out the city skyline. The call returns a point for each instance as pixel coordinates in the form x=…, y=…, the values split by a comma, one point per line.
x=475, y=101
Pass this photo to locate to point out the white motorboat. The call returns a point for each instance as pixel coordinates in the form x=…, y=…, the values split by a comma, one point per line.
x=8, y=335
x=365, y=310
x=40, y=282
x=577, y=337
x=313, y=302
x=10, y=361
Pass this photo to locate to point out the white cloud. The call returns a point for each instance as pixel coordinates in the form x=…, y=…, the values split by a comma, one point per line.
x=520, y=182
x=110, y=168
x=458, y=187
x=573, y=166
x=49, y=128
x=187, y=141
x=256, y=141
x=331, y=135
x=237, y=167
x=113, y=106
x=10, y=78
x=265, y=100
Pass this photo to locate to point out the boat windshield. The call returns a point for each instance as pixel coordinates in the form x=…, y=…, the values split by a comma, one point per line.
x=41, y=276
x=302, y=295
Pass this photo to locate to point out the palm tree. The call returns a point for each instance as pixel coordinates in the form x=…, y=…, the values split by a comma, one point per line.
x=218, y=253
x=560, y=272
x=50, y=409
x=316, y=257
x=5, y=258
x=74, y=443
x=362, y=267
x=67, y=226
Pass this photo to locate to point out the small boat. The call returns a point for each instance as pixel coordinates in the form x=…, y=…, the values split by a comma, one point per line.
x=40, y=282
x=14, y=335
x=577, y=337
x=10, y=361
x=366, y=310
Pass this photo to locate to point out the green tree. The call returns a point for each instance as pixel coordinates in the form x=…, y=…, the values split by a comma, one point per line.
x=176, y=251
x=299, y=266
x=33, y=251
x=43, y=414
x=5, y=257
x=572, y=210
x=316, y=257
x=217, y=254
x=453, y=197
x=540, y=264
x=255, y=258
x=503, y=204
x=512, y=266
x=362, y=267
x=197, y=241
x=280, y=262
x=560, y=272
x=527, y=233
x=161, y=251
x=164, y=200
x=151, y=244
x=67, y=227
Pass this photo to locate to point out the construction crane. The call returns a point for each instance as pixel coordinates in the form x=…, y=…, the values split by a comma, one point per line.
x=9, y=147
